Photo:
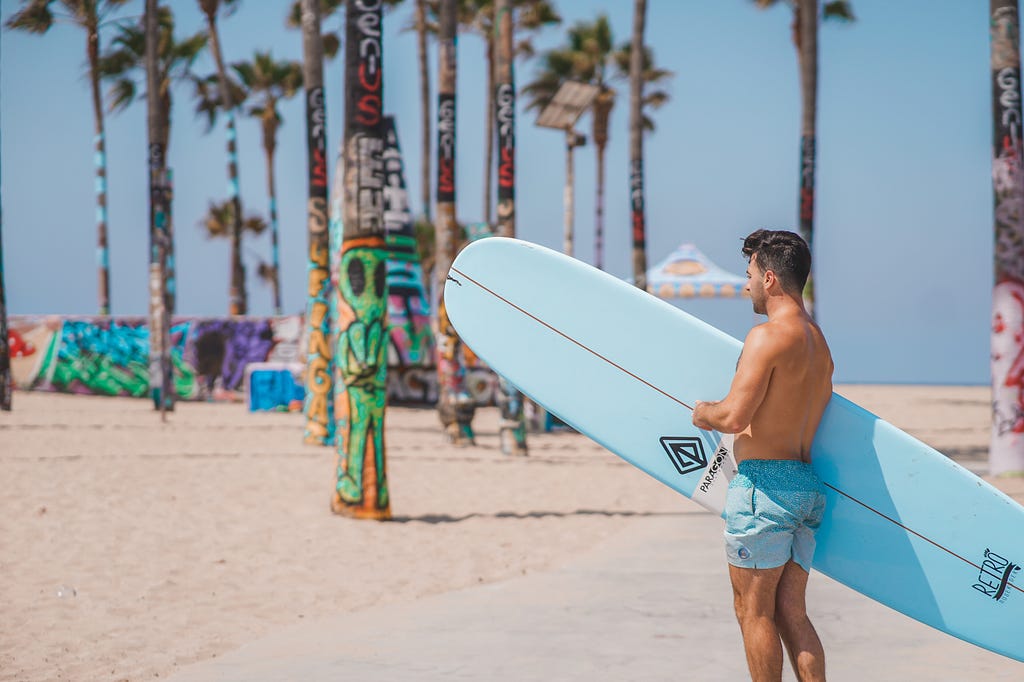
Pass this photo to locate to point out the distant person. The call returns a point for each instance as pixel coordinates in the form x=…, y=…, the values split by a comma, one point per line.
x=775, y=502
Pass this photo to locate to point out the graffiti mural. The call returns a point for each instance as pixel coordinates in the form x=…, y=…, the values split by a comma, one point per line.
x=1007, y=449
x=110, y=355
x=200, y=352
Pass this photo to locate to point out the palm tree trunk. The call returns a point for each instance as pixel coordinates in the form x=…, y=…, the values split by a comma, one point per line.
x=421, y=49
x=807, y=50
x=489, y=133
x=512, y=431
x=159, y=323
x=6, y=381
x=171, y=265
x=568, y=194
x=361, y=357
x=599, y=211
x=237, y=299
x=170, y=288
x=1006, y=453
x=455, y=406
x=100, y=158
x=319, y=400
x=274, y=257
x=601, y=111
x=636, y=145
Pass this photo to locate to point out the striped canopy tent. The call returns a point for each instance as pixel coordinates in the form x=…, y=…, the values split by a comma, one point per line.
x=688, y=273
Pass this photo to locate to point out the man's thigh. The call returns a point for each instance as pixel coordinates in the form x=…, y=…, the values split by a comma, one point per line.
x=755, y=589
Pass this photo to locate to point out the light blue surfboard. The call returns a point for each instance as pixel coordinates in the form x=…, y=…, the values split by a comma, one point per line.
x=904, y=525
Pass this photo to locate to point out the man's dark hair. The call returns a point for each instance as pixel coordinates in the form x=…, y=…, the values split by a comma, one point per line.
x=784, y=253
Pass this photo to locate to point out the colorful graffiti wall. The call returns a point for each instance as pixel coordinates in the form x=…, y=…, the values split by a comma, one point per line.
x=110, y=355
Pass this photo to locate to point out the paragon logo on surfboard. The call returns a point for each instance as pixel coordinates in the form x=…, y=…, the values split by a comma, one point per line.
x=995, y=576
x=687, y=454
x=716, y=465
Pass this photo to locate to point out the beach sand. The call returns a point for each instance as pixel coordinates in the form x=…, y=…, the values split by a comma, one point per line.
x=178, y=542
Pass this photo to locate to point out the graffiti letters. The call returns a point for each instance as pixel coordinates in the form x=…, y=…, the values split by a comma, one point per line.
x=505, y=100
x=367, y=93
x=446, y=147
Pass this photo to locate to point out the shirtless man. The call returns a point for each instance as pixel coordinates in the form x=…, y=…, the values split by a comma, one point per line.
x=775, y=503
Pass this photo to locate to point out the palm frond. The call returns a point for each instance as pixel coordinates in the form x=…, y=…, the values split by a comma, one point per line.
x=331, y=43
x=839, y=10
x=121, y=94
x=266, y=272
x=34, y=17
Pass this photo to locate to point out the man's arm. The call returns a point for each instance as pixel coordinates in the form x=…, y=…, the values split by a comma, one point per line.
x=734, y=413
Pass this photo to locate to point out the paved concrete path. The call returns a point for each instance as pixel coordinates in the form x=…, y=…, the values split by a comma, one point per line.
x=653, y=603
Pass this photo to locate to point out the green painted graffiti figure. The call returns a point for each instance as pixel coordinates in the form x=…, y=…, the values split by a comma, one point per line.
x=361, y=360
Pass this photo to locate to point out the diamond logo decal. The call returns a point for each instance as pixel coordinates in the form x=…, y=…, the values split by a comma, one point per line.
x=687, y=454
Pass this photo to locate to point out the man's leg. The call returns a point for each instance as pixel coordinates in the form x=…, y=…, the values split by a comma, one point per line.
x=754, y=593
x=805, y=650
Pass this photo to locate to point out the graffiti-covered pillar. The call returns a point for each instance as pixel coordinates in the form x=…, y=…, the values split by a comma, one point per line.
x=455, y=406
x=411, y=344
x=1006, y=453
x=361, y=356
x=159, y=319
x=513, y=426
x=319, y=399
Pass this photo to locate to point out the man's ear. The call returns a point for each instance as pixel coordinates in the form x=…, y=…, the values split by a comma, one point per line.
x=769, y=278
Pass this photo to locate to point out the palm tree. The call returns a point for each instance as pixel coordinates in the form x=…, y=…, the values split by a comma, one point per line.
x=318, y=404
x=124, y=67
x=589, y=56
x=636, y=145
x=512, y=431
x=159, y=238
x=238, y=301
x=219, y=221
x=421, y=58
x=455, y=406
x=266, y=82
x=1005, y=453
x=36, y=16
x=805, y=38
x=361, y=298
x=6, y=383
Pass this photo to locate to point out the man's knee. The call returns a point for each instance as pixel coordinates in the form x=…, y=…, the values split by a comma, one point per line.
x=790, y=615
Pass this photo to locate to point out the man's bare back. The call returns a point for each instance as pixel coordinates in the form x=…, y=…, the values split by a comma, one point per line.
x=793, y=351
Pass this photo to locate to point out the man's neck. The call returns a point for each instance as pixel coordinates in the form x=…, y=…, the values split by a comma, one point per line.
x=784, y=305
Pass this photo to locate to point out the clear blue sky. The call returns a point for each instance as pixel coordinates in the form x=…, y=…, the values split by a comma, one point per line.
x=904, y=204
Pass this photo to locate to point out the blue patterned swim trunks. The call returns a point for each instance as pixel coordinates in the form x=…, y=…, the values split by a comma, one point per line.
x=772, y=510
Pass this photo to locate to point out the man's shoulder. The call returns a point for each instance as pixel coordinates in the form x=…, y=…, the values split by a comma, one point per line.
x=775, y=336
x=763, y=339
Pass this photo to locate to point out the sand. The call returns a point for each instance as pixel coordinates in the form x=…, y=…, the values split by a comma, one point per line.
x=174, y=543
